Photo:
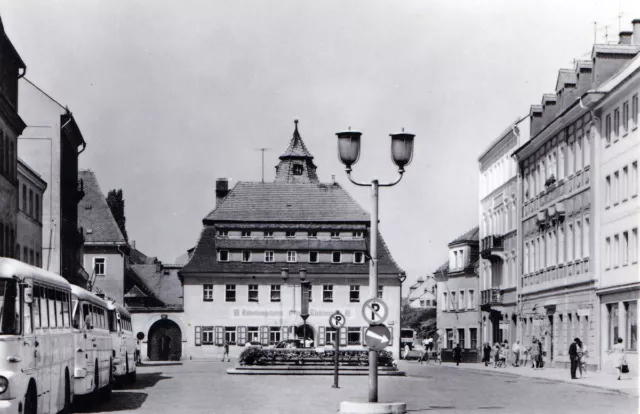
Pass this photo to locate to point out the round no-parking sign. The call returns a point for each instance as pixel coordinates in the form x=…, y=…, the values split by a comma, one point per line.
x=375, y=311
x=337, y=320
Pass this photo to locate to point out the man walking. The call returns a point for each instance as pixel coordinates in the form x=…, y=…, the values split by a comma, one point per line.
x=226, y=352
x=457, y=354
x=516, y=353
x=573, y=355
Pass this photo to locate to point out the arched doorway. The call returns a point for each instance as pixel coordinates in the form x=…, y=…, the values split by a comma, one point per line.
x=305, y=332
x=165, y=341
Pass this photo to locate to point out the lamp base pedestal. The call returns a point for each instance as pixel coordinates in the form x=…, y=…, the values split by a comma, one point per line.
x=347, y=407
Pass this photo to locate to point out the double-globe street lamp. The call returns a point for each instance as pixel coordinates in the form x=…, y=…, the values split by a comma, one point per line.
x=401, y=154
x=305, y=285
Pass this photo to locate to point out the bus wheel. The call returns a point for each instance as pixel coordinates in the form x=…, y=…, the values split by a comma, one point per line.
x=96, y=380
x=31, y=400
x=67, y=394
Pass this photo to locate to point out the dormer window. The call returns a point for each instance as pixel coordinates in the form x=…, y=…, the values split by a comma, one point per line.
x=312, y=234
x=223, y=233
x=335, y=234
x=291, y=234
x=357, y=234
x=223, y=255
x=246, y=233
x=268, y=234
x=358, y=257
x=297, y=169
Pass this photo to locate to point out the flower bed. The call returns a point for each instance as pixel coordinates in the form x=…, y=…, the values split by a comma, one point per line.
x=284, y=356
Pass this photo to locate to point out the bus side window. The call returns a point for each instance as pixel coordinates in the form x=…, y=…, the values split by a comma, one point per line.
x=44, y=308
x=59, y=308
x=51, y=296
x=35, y=307
x=103, y=319
x=27, y=321
x=86, y=313
x=65, y=309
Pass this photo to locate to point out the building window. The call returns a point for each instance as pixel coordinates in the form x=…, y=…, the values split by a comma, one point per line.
x=99, y=265
x=616, y=250
x=473, y=337
x=625, y=248
x=223, y=255
x=313, y=257
x=616, y=186
x=454, y=304
x=268, y=256
x=461, y=302
x=354, y=293
x=274, y=335
x=358, y=257
x=607, y=253
x=624, y=188
x=585, y=237
x=38, y=260
x=336, y=257
x=634, y=110
x=614, y=333
x=230, y=293
x=312, y=234
x=310, y=293
x=30, y=202
x=357, y=234
x=292, y=256
x=253, y=334
x=268, y=233
x=207, y=293
x=25, y=254
x=607, y=201
x=616, y=123
x=207, y=335
x=570, y=256
x=253, y=293
x=632, y=325
x=246, y=256
x=472, y=300
x=634, y=245
x=625, y=117
x=607, y=129
x=245, y=233
x=230, y=335
x=290, y=234
x=449, y=338
x=223, y=233
x=445, y=304
x=37, y=206
x=275, y=293
x=380, y=291
x=633, y=183
x=327, y=293
x=335, y=234
x=422, y=303
x=24, y=198
x=297, y=169
x=353, y=336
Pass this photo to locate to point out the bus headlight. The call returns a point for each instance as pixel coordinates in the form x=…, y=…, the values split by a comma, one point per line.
x=4, y=385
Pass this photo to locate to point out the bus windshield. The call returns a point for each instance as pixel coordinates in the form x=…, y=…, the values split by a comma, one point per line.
x=9, y=308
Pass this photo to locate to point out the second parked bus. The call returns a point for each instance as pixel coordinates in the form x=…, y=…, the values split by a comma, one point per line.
x=123, y=342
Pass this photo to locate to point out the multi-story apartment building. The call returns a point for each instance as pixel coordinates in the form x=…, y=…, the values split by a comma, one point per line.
x=29, y=236
x=423, y=293
x=51, y=144
x=11, y=126
x=557, y=290
x=233, y=287
x=457, y=284
x=498, y=230
x=618, y=207
x=105, y=250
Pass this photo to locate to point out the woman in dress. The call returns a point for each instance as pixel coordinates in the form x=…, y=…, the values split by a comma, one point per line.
x=619, y=358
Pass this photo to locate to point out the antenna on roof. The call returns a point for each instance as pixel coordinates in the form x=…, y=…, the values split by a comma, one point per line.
x=263, y=150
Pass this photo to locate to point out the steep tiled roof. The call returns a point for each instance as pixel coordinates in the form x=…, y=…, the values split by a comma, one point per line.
x=441, y=272
x=469, y=236
x=167, y=288
x=291, y=244
x=284, y=202
x=94, y=214
x=296, y=146
x=204, y=260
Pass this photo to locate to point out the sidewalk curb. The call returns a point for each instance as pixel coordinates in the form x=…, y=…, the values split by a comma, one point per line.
x=515, y=374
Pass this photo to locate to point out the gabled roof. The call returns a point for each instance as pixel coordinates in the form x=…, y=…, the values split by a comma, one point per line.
x=166, y=288
x=94, y=214
x=135, y=292
x=566, y=77
x=470, y=236
x=285, y=202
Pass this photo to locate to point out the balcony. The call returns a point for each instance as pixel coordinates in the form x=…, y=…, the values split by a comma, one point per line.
x=491, y=245
x=490, y=297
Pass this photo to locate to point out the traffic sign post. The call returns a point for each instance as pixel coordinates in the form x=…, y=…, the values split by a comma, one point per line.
x=337, y=321
x=377, y=337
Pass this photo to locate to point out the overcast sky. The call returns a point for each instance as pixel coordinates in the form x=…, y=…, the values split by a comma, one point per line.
x=172, y=95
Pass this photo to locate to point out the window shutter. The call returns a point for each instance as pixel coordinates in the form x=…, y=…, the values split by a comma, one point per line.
x=219, y=335
x=264, y=335
x=242, y=335
x=391, y=336
x=364, y=332
x=198, y=336
x=321, y=336
x=342, y=336
x=285, y=333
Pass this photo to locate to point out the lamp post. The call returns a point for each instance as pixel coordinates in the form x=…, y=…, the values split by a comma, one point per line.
x=305, y=285
x=401, y=154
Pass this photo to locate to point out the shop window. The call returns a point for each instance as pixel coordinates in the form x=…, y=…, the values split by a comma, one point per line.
x=473, y=337
x=632, y=325
x=353, y=336
x=230, y=335
x=614, y=332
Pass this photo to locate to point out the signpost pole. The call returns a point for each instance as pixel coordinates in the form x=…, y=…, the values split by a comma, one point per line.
x=336, y=359
x=373, y=287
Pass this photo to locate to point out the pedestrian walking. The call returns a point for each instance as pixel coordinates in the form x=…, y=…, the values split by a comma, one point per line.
x=457, y=354
x=534, y=353
x=620, y=359
x=486, y=354
x=226, y=352
x=516, y=353
x=582, y=359
x=496, y=354
x=539, y=361
x=573, y=356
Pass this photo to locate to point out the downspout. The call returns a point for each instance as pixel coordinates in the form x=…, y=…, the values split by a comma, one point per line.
x=20, y=76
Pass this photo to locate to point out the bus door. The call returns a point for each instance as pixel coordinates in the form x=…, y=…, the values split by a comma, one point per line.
x=31, y=322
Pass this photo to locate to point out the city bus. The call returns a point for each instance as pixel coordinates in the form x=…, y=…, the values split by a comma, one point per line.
x=407, y=337
x=122, y=341
x=36, y=340
x=92, y=341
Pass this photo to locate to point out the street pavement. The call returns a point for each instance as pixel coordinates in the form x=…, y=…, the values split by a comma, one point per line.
x=204, y=387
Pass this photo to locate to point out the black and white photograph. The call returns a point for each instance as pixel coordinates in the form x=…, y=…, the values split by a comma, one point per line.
x=319, y=206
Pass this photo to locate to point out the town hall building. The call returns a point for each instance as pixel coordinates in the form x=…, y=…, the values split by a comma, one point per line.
x=234, y=291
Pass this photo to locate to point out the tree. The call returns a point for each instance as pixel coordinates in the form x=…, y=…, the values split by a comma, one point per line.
x=423, y=321
x=116, y=204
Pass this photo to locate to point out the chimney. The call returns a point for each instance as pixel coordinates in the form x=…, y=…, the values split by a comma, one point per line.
x=222, y=189
x=625, y=38
x=535, y=116
x=636, y=31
